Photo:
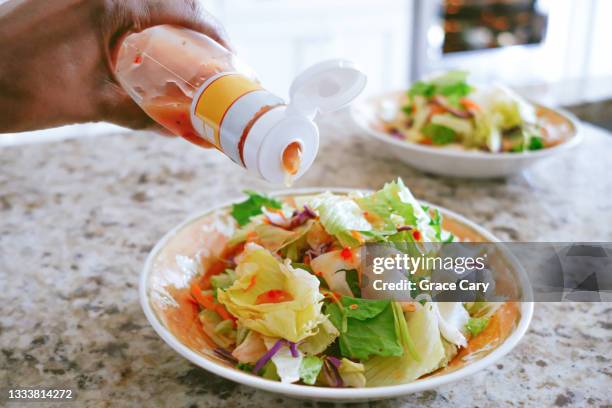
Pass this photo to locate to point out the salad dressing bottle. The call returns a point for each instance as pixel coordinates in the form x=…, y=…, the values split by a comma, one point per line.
x=199, y=90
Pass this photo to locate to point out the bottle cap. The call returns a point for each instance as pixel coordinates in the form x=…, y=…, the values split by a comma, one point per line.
x=324, y=87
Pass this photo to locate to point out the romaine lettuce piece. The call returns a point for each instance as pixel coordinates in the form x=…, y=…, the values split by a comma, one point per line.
x=223, y=280
x=352, y=373
x=423, y=327
x=394, y=200
x=439, y=134
x=340, y=216
x=390, y=206
x=452, y=84
x=272, y=298
x=310, y=369
x=210, y=321
x=270, y=236
x=367, y=328
x=475, y=325
x=317, y=343
x=483, y=133
x=458, y=125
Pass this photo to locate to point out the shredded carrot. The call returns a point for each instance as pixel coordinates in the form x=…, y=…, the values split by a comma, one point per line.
x=225, y=315
x=353, y=306
x=208, y=302
x=436, y=109
x=215, y=269
x=469, y=104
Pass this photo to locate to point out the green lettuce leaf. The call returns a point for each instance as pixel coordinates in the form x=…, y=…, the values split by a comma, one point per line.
x=340, y=215
x=387, y=207
x=439, y=134
x=223, y=280
x=310, y=369
x=452, y=84
x=367, y=328
x=352, y=280
x=394, y=205
x=476, y=325
x=535, y=143
x=242, y=212
x=422, y=324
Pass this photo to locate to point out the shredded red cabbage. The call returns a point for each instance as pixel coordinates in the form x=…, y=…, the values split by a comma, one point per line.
x=334, y=360
x=404, y=228
x=294, y=350
x=269, y=354
x=314, y=252
x=330, y=370
x=300, y=217
x=394, y=132
x=225, y=355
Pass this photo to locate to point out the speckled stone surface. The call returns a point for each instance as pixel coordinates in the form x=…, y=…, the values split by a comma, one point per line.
x=77, y=219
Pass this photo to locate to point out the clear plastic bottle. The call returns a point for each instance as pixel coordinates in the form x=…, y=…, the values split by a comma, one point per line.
x=199, y=90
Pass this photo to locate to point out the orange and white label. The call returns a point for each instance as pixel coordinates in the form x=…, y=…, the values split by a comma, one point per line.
x=223, y=107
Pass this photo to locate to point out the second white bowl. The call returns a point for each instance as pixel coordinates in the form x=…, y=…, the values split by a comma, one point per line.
x=458, y=162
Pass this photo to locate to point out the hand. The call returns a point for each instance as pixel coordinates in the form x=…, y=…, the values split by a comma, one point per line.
x=56, y=58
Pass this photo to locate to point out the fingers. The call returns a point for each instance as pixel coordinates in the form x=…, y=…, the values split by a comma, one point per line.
x=119, y=18
x=123, y=16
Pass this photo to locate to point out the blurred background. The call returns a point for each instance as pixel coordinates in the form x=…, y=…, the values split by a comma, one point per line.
x=556, y=52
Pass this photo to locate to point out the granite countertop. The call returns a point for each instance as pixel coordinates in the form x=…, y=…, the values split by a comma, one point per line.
x=78, y=217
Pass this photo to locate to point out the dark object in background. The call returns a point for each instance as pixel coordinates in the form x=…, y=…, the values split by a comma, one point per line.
x=483, y=24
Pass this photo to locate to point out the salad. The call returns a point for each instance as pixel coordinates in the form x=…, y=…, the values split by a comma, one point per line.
x=446, y=110
x=283, y=300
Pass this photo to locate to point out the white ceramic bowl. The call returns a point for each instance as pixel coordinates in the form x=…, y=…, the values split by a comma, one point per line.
x=163, y=267
x=458, y=162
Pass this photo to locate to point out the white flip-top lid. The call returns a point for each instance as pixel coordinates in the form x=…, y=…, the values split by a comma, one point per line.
x=324, y=87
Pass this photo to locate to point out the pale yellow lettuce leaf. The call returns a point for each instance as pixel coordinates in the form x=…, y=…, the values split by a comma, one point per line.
x=258, y=272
